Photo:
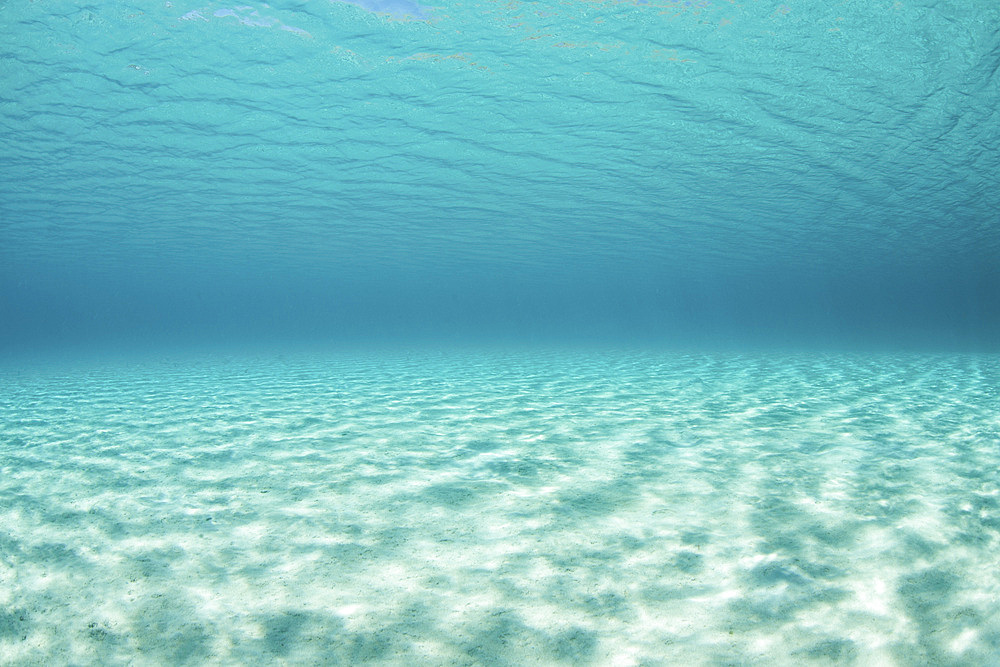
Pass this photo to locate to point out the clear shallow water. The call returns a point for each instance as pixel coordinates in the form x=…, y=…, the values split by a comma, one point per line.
x=387, y=175
x=197, y=169
x=519, y=507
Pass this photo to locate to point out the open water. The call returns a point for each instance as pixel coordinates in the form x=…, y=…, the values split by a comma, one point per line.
x=500, y=333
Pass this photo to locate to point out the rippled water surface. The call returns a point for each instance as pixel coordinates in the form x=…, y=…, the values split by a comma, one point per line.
x=201, y=169
x=507, y=508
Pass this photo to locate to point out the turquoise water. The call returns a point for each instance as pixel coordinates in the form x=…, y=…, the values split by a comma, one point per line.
x=484, y=333
x=704, y=172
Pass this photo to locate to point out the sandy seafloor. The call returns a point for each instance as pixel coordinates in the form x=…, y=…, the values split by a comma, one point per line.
x=611, y=508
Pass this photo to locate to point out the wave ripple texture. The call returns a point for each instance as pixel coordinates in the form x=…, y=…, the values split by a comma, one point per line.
x=827, y=164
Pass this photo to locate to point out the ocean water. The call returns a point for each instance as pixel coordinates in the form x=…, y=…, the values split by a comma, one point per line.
x=500, y=333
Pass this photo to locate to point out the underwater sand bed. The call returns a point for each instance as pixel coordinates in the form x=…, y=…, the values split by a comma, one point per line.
x=519, y=508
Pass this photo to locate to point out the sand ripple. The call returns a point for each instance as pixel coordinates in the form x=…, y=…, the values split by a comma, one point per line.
x=521, y=508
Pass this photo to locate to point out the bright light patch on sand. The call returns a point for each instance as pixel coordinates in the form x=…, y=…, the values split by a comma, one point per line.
x=874, y=597
x=963, y=641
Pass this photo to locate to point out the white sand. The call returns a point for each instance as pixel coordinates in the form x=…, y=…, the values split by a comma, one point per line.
x=530, y=508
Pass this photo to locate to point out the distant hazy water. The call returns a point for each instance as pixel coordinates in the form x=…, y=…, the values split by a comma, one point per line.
x=507, y=508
